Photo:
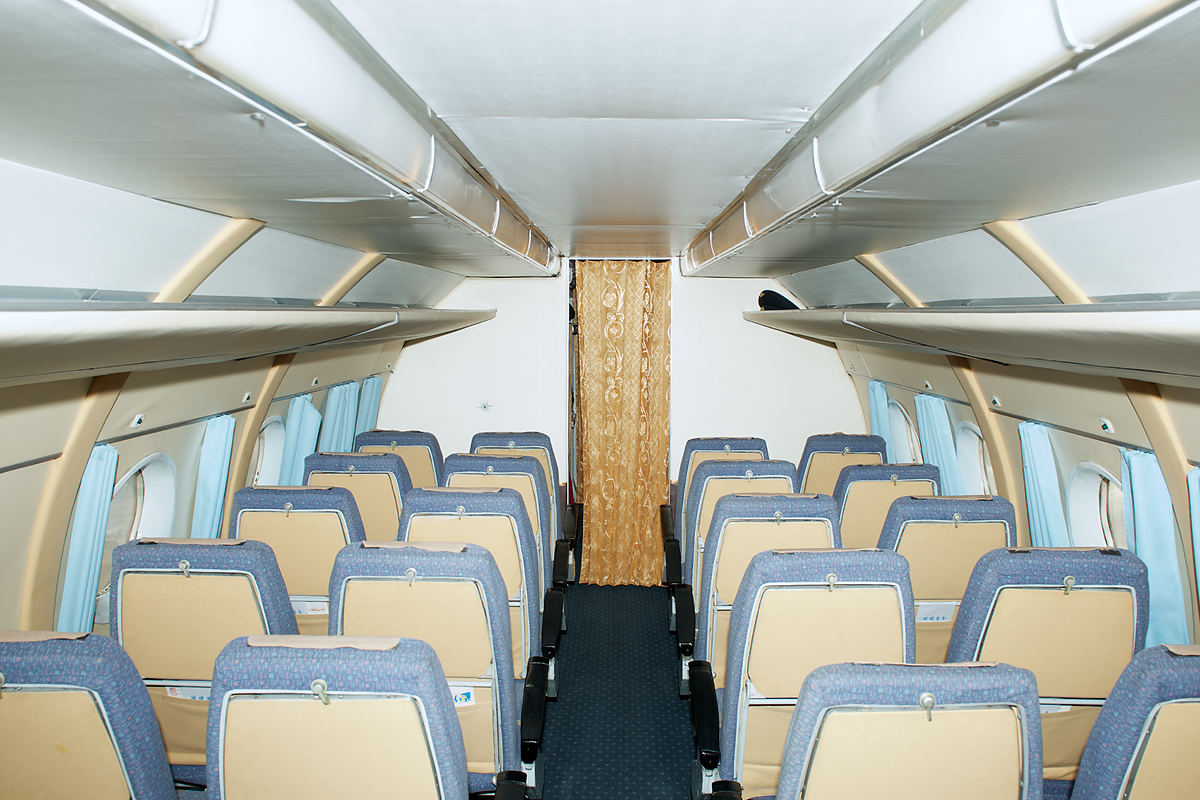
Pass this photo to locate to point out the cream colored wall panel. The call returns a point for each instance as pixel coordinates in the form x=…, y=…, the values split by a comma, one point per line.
x=1183, y=405
x=914, y=370
x=169, y=396
x=1064, y=399
x=35, y=420
x=328, y=367
x=20, y=491
x=1071, y=449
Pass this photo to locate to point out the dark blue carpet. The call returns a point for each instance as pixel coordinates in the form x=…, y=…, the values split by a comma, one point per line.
x=618, y=728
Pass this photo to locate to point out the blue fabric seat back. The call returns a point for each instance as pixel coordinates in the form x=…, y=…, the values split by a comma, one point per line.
x=1073, y=617
x=711, y=481
x=1148, y=719
x=826, y=454
x=944, y=748
x=451, y=595
x=795, y=611
x=97, y=694
x=176, y=603
x=534, y=441
x=742, y=526
x=739, y=448
x=943, y=538
x=470, y=516
x=396, y=720
x=305, y=526
x=864, y=493
x=522, y=473
x=420, y=451
x=378, y=482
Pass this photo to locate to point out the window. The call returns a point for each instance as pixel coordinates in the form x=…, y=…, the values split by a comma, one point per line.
x=143, y=505
x=267, y=458
x=904, y=434
x=973, y=460
x=1095, y=507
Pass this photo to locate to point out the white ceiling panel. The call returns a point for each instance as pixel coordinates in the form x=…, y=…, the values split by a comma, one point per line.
x=403, y=284
x=845, y=284
x=278, y=264
x=1144, y=244
x=624, y=114
x=66, y=233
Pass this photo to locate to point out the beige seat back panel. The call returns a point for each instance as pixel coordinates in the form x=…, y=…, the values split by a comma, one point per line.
x=173, y=627
x=1064, y=735
x=56, y=745
x=449, y=615
x=520, y=640
x=718, y=640
x=377, y=495
x=742, y=540
x=368, y=747
x=824, y=468
x=716, y=488
x=493, y=532
x=766, y=732
x=478, y=727
x=866, y=507
x=698, y=458
x=1077, y=644
x=504, y=480
x=537, y=452
x=312, y=624
x=932, y=640
x=417, y=460
x=184, y=725
x=966, y=752
x=941, y=556
x=797, y=630
x=1169, y=767
x=305, y=544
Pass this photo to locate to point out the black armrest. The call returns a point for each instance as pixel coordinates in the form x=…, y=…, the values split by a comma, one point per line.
x=533, y=708
x=722, y=790
x=672, y=562
x=577, y=538
x=552, y=621
x=562, y=557
x=706, y=719
x=666, y=519
x=510, y=785
x=685, y=619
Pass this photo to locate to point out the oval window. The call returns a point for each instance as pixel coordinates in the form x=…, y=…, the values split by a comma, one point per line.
x=267, y=458
x=1095, y=507
x=908, y=446
x=973, y=460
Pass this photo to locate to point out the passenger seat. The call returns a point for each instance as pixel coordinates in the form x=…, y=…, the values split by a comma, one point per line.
x=865, y=493
x=378, y=482
x=825, y=454
x=419, y=450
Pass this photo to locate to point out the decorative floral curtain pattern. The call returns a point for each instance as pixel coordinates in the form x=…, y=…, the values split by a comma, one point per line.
x=624, y=317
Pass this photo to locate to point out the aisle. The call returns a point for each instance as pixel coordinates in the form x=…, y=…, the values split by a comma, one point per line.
x=618, y=728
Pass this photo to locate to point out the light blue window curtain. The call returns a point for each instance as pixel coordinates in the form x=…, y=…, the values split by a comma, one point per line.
x=213, y=477
x=937, y=442
x=341, y=411
x=77, y=612
x=1193, y=484
x=881, y=421
x=1043, y=499
x=368, y=404
x=1150, y=518
x=299, y=439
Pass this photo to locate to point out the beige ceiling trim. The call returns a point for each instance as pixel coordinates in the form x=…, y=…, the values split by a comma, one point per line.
x=1010, y=234
x=49, y=534
x=368, y=262
x=877, y=268
x=223, y=245
x=239, y=465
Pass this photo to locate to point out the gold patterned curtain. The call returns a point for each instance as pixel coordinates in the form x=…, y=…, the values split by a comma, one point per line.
x=624, y=315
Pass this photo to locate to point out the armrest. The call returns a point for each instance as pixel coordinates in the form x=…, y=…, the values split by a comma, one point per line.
x=510, y=785
x=685, y=619
x=722, y=790
x=533, y=708
x=666, y=519
x=706, y=718
x=562, y=557
x=672, y=562
x=552, y=621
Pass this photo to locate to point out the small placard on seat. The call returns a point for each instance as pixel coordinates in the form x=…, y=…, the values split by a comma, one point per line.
x=444, y=547
x=39, y=636
x=324, y=642
x=1183, y=649
x=225, y=542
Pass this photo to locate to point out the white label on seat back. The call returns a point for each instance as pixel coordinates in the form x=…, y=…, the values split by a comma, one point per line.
x=462, y=696
x=188, y=692
x=936, y=612
x=306, y=606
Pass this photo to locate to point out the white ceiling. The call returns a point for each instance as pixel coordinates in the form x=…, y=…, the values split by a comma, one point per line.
x=621, y=127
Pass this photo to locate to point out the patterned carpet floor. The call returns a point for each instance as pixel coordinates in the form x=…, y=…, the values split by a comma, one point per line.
x=618, y=728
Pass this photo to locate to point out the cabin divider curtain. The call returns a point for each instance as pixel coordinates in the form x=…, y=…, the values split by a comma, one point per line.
x=1043, y=498
x=213, y=477
x=341, y=411
x=624, y=318
x=77, y=611
x=937, y=442
x=368, y=405
x=881, y=419
x=1150, y=532
x=299, y=439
